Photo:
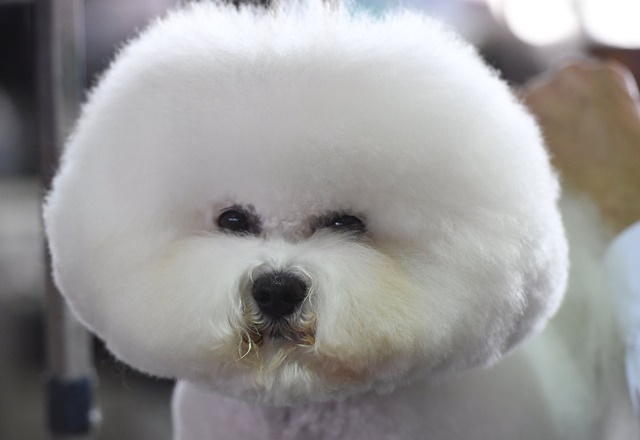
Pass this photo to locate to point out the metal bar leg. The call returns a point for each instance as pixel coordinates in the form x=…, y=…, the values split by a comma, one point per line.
x=61, y=84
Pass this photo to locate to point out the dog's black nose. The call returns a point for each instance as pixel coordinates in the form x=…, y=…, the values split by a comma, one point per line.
x=279, y=294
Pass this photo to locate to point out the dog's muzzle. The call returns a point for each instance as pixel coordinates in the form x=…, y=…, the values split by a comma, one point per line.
x=279, y=294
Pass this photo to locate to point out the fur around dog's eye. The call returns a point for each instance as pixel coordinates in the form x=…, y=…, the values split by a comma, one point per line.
x=237, y=221
x=345, y=223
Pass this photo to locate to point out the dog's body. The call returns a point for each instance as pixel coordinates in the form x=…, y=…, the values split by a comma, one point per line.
x=335, y=220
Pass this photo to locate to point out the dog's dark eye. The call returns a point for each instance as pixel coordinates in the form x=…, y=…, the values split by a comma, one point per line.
x=345, y=223
x=237, y=221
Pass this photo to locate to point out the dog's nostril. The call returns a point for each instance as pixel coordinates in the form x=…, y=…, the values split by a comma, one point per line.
x=279, y=294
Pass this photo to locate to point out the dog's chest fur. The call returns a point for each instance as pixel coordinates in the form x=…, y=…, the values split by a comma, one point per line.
x=483, y=404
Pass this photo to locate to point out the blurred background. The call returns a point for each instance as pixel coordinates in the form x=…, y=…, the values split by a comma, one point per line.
x=520, y=38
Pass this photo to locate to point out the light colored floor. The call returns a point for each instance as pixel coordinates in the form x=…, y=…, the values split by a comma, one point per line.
x=133, y=407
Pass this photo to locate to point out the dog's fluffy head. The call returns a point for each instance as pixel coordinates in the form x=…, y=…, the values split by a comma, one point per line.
x=293, y=117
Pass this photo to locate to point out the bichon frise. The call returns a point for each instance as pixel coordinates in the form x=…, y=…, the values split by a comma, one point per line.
x=321, y=223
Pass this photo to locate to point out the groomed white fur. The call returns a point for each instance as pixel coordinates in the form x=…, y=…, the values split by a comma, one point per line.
x=295, y=114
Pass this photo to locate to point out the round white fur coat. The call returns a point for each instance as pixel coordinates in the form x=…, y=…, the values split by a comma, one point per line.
x=299, y=114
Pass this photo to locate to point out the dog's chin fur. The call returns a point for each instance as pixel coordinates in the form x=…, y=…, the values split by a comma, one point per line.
x=296, y=114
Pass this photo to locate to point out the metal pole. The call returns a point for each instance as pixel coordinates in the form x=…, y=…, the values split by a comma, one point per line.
x=61, y=84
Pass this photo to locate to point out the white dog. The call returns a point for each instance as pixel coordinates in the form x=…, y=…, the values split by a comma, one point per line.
x=320, y=223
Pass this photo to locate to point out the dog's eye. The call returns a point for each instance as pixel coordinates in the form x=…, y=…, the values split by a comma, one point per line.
x=345, y=223
x=237, y=221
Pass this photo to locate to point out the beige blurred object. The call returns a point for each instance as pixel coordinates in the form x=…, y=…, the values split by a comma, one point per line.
x=590, y=117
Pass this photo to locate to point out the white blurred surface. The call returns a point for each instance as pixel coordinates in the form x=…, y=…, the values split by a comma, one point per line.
x=612, y=22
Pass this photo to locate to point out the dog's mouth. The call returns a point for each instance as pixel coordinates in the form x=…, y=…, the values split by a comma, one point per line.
x=299, y=330
x=293, y=332
x=267, y=346
x=268, y=349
